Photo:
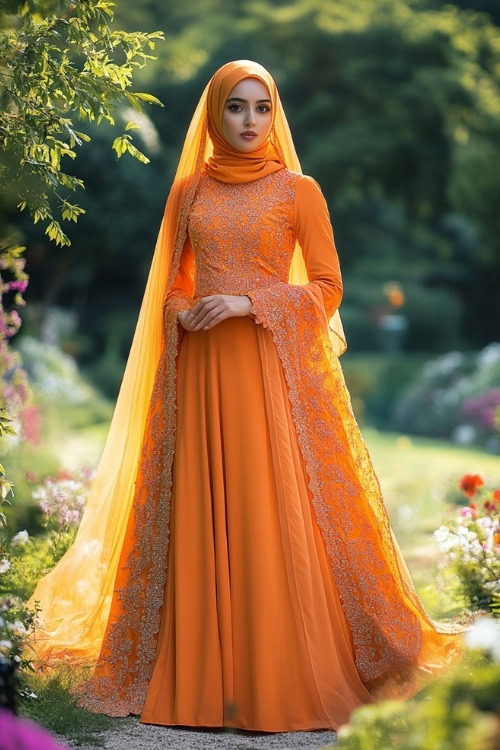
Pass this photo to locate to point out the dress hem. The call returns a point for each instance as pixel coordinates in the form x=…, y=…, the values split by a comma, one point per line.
x=243, y=728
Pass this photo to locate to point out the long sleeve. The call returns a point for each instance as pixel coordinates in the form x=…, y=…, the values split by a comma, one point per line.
x=180, y=296
x=314, y=232
x=183, y=286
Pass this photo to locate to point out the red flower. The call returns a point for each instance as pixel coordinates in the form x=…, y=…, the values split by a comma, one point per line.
x=469, y=484
x=496, y=496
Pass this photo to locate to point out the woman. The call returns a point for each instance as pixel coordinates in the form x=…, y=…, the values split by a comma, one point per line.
x=235, y=563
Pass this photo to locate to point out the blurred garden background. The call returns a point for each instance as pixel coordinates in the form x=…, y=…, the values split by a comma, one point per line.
x=394, y=107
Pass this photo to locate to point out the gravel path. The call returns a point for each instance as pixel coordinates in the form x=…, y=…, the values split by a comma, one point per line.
x=136, y=736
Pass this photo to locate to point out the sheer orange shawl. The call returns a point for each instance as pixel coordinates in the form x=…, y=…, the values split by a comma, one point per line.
x=102, y=601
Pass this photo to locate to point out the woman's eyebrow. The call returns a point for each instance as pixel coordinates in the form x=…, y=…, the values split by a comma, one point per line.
x=237, y=99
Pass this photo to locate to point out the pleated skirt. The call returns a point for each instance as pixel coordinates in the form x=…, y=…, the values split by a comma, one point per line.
x=252, y=634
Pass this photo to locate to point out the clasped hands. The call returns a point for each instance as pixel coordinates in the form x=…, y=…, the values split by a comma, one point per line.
x=210, y=310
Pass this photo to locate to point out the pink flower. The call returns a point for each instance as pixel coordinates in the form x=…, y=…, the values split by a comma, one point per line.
x=467, y=512
x=19, y=285
x=31, y=420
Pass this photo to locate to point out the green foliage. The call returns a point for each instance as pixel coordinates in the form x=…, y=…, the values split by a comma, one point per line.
x=47, y=701
x=53, y=66
x=31, y=561
x=123, y=144
x=456, y=712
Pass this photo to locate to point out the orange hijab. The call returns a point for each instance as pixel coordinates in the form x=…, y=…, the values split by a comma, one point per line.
x=228, y=163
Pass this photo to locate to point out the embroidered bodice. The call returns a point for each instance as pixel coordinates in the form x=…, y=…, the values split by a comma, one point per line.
x=243, y=235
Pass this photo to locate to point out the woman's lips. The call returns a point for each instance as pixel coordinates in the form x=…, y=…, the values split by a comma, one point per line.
x=248, y=137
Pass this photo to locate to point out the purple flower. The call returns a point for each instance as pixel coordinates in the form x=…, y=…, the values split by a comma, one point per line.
x=25, y=734
x=481, y=409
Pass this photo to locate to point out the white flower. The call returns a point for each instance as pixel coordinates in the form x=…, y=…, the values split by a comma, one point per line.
x=441, y=534
x=20, y=538
x=464, y=531
x=5, y=646
x=485, y=634
x=465, y=434
x=490, y=354
x=4, y=565
x=405, y=514
x=485, y=522
x=17, y=627
x=445, y=539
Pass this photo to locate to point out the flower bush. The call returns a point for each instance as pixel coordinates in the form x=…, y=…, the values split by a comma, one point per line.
x=471, y=543
x=24, y=559
x=456, y=396
x=16, y=624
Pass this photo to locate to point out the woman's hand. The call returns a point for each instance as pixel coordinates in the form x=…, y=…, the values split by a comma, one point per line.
x=210, y=310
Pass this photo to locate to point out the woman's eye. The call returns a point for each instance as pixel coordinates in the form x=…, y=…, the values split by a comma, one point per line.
x=262, y=106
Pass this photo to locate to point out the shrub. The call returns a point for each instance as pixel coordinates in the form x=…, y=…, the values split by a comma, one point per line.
x=455, y=396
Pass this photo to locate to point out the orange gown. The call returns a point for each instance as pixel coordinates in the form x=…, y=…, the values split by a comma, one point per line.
x=252, y=632
x=263, y=590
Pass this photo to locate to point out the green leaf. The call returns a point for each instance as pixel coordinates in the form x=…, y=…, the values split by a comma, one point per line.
x=148, y=98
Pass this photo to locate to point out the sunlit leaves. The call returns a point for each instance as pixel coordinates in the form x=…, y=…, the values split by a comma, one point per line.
x=55, y=233
x=123, y=143
x=53, y=67
x=71, y=212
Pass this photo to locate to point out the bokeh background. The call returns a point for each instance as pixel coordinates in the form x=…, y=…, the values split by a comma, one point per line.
x=394, y=106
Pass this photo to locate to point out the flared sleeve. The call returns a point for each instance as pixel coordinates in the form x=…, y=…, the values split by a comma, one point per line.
x=314, y=232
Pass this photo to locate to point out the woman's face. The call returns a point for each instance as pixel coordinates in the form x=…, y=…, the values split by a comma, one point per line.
x=248, y=107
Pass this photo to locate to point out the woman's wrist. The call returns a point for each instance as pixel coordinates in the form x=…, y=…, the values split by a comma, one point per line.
x=250, y=313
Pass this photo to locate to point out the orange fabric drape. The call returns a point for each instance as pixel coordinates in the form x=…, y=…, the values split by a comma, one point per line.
x=102, y=602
